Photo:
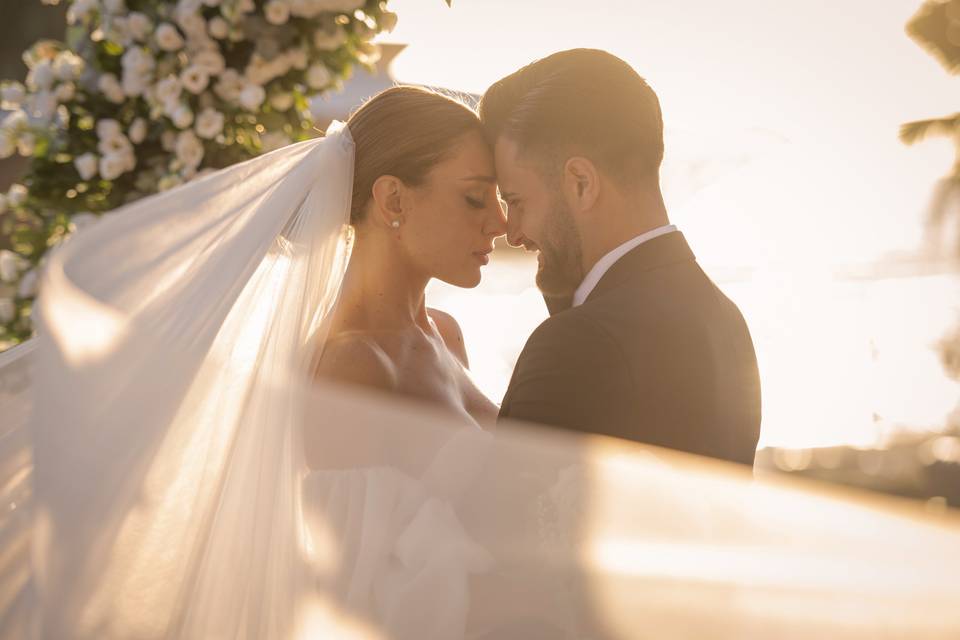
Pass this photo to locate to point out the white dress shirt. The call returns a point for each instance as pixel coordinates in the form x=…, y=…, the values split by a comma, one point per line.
x=607, y=261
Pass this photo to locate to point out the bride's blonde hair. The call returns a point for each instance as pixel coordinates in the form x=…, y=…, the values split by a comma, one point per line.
x=403, y=132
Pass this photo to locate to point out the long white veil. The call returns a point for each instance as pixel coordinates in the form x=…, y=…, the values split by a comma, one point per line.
x=160, y=418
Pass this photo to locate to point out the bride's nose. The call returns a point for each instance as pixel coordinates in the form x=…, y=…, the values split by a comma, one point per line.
x=495, y=224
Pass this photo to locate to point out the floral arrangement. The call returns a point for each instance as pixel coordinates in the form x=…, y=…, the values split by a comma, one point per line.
x=144, y=95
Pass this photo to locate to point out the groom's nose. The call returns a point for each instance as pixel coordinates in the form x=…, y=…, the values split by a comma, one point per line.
x=496, y=224
x=515, y=237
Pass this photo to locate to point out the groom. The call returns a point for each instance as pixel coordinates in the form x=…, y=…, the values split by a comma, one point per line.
x=640, y=343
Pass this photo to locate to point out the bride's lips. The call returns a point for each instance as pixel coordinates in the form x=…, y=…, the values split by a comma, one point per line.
x=483, y=256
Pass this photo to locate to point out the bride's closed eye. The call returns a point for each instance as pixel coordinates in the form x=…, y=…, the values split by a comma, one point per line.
x=476, y=203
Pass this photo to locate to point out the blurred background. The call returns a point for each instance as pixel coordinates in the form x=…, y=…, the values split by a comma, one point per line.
x=833, y=226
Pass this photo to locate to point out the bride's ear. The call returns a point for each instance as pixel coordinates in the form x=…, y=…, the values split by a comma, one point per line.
x=388, y=200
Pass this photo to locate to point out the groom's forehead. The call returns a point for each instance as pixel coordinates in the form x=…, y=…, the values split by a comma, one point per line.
x=506, y=151
x=510, y=161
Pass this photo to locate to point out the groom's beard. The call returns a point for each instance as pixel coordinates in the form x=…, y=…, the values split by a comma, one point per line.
x=561, y=260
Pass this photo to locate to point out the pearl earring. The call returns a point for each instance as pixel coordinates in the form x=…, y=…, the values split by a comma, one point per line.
x=395, y=224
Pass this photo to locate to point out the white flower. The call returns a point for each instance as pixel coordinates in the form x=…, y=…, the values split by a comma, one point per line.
x=66, y=91
x=8, y=310
x=318, y=76
x=229, y=85
x=388, y=21
x=189, y=149
x=252, y=96
x=305, y=8
x=209, y=124
x=298, y=58
x=195, y=79
x=368, y=54
x=219, y=28
x=138, y=131
x=273, y=140
x=193, y=25
x=312, y=8
x=108, y=128
x=62, y=120
x=112, y=166
x=169, y=182
x=79, y=10
x=130, y=158
x=14, y=121
x=186, y=7
x=139, y=25
x=110, y=87
x=281, y=101
x=28, y=284
x=41, y=77
x=210, y=60
x=16, y=195
x=137, y=59
x=168, y=38
x=277, y=12
x=168, y=90
x=327, y=40
x=8, y=146
x=67, y=66
x=212, y=3
x=42, y=105
x=168, y=140
x=12, y=95
x=86, y=165
x=115, y=6
x=134, y=84
x=115, y=145
x=247, y=6
x=119, y=31
x=182, y=117
x=343, y=6
x=26, y=144
x=9, y=266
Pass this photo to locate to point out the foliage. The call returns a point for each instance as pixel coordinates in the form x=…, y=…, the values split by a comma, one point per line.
x=143, y=95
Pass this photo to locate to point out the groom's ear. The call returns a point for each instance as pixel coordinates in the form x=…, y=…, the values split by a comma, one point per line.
x=581, y=183
x=388, y=199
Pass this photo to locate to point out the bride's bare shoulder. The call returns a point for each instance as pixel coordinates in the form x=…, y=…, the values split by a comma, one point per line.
x=450, y=332
x=357, y=359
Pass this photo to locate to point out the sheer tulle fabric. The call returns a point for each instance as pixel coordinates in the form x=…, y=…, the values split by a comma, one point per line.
x=169, y=397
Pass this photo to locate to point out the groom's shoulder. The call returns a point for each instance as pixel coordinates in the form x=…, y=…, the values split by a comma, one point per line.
x=570, y=329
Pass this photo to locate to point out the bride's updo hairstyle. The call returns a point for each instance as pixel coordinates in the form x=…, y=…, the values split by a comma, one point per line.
x=403, y=132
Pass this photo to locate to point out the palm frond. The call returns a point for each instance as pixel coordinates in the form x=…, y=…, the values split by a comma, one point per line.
x=913, y=132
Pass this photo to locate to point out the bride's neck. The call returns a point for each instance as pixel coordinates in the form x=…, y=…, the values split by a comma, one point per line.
x=380, y=290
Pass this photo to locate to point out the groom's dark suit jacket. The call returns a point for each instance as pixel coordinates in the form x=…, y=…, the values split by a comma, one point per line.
x=656, y=354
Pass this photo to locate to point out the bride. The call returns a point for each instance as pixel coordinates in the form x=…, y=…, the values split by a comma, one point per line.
x=213, y=455
x=424, y=206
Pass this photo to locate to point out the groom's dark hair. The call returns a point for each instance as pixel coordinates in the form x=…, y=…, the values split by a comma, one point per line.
x=579, y=102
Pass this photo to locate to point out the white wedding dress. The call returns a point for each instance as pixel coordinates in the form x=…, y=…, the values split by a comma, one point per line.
x=156, y=486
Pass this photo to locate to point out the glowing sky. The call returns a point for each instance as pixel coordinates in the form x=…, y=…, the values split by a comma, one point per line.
x=812, y=92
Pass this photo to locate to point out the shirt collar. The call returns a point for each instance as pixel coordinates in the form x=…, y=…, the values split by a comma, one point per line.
x=607, y=261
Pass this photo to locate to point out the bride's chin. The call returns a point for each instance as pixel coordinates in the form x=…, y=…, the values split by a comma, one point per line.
x=465, y=281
